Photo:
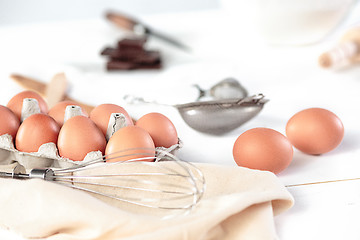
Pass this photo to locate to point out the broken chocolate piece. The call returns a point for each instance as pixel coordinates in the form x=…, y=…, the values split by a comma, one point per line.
x=108, y=51
x=121, y=54
x=120, y=65
x=146, y=57
x=130, y=54
x=149, y=66
x=131, y=43
x=139, y=57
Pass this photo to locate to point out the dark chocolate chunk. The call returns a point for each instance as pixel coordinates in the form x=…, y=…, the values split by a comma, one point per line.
x=108, y=51
x=149, y=66
x=131, y=43
x=130, y=54
x=120, y=65
x=121, y=54
x=146, y=57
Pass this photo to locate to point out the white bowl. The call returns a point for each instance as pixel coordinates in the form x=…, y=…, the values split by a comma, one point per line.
x=293, y=22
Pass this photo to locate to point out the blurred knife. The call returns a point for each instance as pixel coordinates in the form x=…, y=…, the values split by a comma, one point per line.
x=134, y=25
x=43, y=88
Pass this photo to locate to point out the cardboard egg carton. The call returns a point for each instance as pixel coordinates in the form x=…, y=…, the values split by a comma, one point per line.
x=47, y=154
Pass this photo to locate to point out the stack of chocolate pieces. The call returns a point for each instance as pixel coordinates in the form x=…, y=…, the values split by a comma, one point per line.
x=130, y=54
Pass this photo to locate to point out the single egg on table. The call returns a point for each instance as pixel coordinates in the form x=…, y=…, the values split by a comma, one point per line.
x=315, y=131
x=263, y=149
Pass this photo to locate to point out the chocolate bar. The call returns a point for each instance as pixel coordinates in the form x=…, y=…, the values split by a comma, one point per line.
x=131, y=43
x=146, y=57
x=157, y=65
x=117, y=53
x=130, y=54
x=120, y=65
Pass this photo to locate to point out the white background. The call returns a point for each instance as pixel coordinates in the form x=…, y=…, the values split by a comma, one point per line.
x=287, y=75
x=34, y=11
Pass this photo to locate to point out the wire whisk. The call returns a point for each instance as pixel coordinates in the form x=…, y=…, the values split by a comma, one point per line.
x=143, y=183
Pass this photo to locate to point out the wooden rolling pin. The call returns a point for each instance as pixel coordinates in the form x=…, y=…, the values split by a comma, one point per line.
x=346, y=52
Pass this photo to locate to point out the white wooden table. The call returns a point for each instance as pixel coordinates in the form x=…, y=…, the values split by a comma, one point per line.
x=288, y=76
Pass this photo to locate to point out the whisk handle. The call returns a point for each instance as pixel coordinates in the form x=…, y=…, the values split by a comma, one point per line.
x=46, y=174
x=19, y=172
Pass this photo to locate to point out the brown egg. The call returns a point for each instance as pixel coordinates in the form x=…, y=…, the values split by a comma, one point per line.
x=35, y=131
x=101, y=115
x=160, y=128
x=15, y=103
x=315, y=131
x=79, y=136
x=58, y=111
x=263, y=149
x=9, y=123
x=125, y=140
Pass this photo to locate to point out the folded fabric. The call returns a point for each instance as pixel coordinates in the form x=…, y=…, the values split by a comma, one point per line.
x=238, y=203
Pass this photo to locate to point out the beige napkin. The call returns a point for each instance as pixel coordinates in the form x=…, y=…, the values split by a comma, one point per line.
x=238, y=204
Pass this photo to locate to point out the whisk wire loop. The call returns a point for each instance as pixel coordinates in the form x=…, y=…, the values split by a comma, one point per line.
x=166, y=184
x=133, y=179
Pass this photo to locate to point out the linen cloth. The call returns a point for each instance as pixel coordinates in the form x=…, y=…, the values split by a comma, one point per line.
x=238, y=203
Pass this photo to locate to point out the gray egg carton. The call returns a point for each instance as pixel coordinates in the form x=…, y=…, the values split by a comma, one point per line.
x=47, y=154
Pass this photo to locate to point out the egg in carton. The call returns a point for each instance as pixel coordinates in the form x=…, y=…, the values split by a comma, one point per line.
x=48, y=153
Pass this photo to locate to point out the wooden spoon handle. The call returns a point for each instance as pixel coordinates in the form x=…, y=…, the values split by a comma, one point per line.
x=29, y=84
x=41, y=88
x=56, y=89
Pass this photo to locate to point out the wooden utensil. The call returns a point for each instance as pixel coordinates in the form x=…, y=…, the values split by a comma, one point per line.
x=56, y=89
x=42, y=88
